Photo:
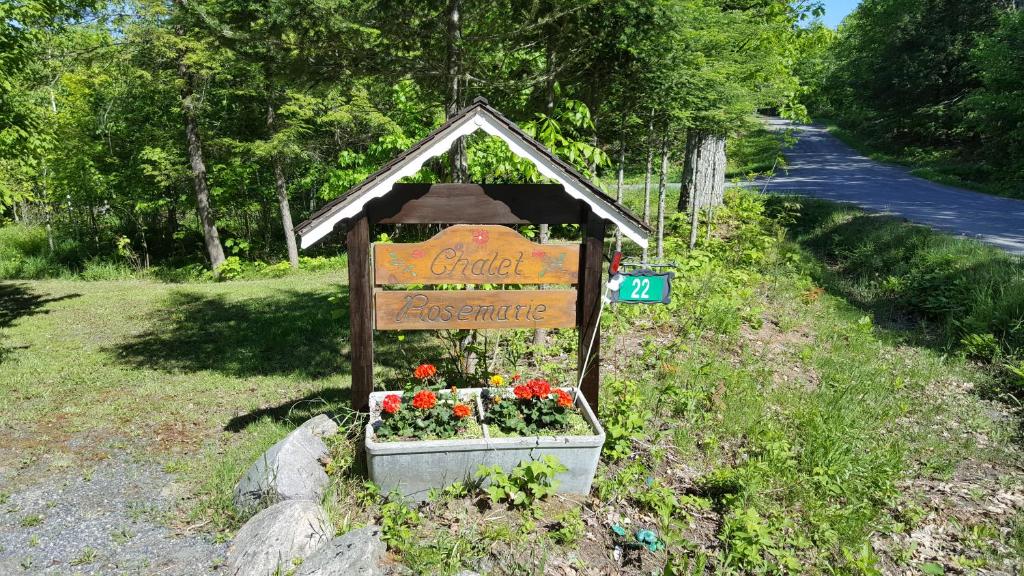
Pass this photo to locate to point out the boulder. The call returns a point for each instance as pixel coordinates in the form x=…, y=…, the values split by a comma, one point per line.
x=356, y=553
x=289, y=470
x=272, y=541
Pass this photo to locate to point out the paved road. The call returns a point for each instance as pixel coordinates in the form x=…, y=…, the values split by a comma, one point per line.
x=822, y=166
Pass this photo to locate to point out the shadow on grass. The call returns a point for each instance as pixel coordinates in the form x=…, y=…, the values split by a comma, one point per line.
x=18, y=301
x=284, y=333
x=293, y=333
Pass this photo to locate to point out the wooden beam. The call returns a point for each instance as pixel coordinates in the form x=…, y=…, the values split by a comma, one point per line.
x=475, y=204
x=588, y=304
x=360, y=312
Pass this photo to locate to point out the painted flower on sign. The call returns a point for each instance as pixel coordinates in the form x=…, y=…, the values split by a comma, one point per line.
x=480, y=236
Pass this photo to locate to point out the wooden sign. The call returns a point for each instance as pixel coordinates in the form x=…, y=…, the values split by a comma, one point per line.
x=466, y=254
x=474, y=309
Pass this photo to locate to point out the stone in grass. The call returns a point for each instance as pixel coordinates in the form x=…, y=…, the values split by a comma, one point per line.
x=289, y=470
x=356, y=553
x=272, y=541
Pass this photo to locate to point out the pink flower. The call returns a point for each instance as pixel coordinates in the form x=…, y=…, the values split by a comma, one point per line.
x=480, y=236
x=417, y=253
x=539, y=254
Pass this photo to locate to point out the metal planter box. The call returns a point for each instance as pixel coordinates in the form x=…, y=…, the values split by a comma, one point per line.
x=413, y=468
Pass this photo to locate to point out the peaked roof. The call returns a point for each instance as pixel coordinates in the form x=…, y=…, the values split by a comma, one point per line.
x=477, y=116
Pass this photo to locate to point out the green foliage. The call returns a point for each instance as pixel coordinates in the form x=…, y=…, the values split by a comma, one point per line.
x=624, y=419
x=974, y=294
x=397, y=522
x=527, y=417
x=525, y=485
x=753, y=544
x=436, y=422
x=960, y=126
x=568, y=528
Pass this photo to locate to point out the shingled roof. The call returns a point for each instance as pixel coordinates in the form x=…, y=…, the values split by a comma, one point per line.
x=477, y=116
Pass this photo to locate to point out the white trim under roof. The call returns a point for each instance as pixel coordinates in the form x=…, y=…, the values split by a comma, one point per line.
x=479, y=119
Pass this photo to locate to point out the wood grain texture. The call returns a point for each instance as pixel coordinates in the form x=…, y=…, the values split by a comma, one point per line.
x=475, y=204
x=466, y=254
x=588, y=308
x=474, y=309
x=360, y=320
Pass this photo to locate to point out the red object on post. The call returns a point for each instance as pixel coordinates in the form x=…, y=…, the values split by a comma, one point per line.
x=616, y=260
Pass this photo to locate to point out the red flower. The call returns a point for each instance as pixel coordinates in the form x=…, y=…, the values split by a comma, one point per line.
x=539, y=254
x=424, y=371
x=539, y=387
x=522, y=392
x=392, y=402
x=461, y=410
x=480, y=236
x=564, y=400
x=424, y=400
x=416, y=253
x=517, y=378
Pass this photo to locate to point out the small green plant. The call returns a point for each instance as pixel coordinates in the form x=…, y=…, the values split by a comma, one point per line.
x=31, y=521
x=752, y=544
x=623, y=419
x=525, y=485
x=397, y=522
x=88, y=556
x=229, y=269
x=659, y=499
x=121, y=536
x=569, y=528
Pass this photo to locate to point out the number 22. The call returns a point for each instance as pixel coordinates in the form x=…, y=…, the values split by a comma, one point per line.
x=641, y=289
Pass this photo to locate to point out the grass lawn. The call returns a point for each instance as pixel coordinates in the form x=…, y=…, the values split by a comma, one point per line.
x=768, y=421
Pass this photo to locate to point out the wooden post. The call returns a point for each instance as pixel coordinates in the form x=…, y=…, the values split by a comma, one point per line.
x=588, y=304
x=360, y=293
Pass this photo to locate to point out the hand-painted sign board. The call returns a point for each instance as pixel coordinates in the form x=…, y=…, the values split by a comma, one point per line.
x=643, y=286
x=473, y=309
x=466, y=254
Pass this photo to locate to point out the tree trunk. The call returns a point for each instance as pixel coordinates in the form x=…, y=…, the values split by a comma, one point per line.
x=647, y=174
x=286, y=213
x=457, y=154
x=281, y=186
x=662, y=188
x=703, y=170
x=618, y=191
x=195, y=156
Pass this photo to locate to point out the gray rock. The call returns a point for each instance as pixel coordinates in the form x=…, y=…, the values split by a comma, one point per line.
x=289, y=470
x=356, y=553
x=271, y=541
x=322, y=426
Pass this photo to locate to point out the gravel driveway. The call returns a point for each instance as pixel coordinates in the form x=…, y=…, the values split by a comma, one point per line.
x=112, y=517
x=822, y=166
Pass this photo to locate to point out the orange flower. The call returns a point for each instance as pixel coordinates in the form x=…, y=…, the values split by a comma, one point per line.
x=461, y=410
x=564, y=399
x=522, y=392
x=424, y=371
x=539, y=387
x=424, y=400
x=391, y=404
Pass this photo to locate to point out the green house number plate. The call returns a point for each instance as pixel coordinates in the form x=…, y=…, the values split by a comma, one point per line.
x=644, y=286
